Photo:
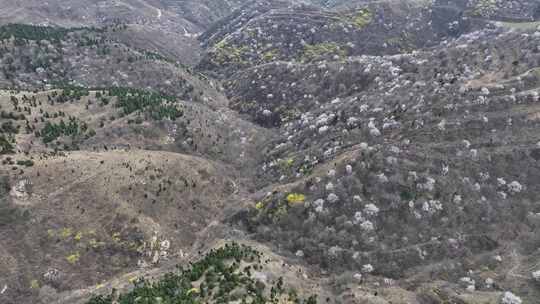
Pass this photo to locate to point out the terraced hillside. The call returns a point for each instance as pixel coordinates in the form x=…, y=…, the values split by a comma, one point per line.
x=407, y=166
x=419, y=166
x=374, y=152
x=256, y=35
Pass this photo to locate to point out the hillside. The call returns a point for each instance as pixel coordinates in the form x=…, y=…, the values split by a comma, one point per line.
x=373, y=152
x=167, y=27
x=387, y=28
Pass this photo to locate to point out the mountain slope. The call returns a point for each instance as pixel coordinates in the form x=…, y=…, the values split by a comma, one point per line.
x=371, y=151
x=166, y=27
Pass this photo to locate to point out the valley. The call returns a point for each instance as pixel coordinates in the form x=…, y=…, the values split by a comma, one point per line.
x=277, y=151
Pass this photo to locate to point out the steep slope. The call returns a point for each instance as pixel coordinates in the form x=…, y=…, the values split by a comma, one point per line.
x=90, y=182
x=256, y=34
x=164, y=13
x=397, y=180
x=34, y=57
x=166, y=27
x=85, y=167
x=89, y=216
x=414, y=167
x=374, y=152
x=520, y=10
